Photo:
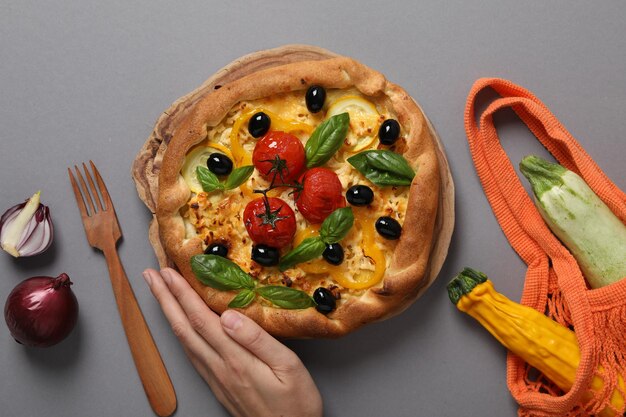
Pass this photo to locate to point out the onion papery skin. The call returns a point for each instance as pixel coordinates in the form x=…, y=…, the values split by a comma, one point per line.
x=41, y=311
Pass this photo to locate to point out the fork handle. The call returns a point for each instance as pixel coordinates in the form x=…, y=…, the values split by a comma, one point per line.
x=154, y=377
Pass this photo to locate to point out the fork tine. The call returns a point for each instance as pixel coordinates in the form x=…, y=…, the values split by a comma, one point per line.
x=78, y=195
x=86, y=195
x=94, y=192
x=103, y=188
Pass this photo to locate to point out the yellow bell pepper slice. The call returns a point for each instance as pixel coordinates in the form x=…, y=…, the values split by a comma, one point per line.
x=340, y=273
x=221, y=148
x=365, y=279
x=316, y=266
x=310, y=231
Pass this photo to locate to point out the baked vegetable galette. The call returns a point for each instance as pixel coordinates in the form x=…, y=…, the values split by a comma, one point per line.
x=304, y=195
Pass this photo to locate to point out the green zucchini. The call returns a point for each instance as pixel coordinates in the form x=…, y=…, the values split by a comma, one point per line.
x=575, y=214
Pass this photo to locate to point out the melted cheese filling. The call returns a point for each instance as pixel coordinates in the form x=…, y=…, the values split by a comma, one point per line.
x=218, y=217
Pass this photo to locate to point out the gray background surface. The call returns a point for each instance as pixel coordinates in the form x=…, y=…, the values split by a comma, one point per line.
x=84, y=80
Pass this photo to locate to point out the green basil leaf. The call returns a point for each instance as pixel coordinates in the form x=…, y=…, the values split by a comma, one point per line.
x=383, y=167
x=309, y=248
x=326, y=140
x=242, y=299
x=337, y=225
x=391, y=162
x=208, y=180
x=238, y=176
x=220, y=273
x=286, y=297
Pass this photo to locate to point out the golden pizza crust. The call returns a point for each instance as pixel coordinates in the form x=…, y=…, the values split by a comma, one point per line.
x=406, y=274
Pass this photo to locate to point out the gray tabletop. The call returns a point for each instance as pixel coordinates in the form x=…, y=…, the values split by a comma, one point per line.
x=84, y=80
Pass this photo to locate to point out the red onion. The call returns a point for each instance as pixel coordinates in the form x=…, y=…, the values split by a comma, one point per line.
x=41, y=311
x=26, y=229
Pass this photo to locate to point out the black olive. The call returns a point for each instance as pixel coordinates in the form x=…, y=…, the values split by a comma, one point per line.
x=388, y=228
x=360, y=195
x=219, y=164
x=265, y=255
x=333, y=254
x=216, y=249
x=389, y=131
x=259, y=124
x=315, y=97
x=325, y=300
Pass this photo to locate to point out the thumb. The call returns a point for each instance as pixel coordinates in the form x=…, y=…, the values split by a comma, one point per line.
x=257, y=341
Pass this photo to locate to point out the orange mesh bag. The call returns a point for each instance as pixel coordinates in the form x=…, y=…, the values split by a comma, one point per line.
x=554, y=283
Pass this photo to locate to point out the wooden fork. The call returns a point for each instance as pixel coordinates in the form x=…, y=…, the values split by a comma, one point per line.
x=103, y=232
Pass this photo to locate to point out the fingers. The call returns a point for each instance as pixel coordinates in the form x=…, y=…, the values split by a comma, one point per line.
x=232, y=336
x=260, y=343
x=177, y=318
x=201, y=318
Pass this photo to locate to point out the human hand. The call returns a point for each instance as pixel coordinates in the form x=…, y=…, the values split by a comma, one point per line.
x=250, y=372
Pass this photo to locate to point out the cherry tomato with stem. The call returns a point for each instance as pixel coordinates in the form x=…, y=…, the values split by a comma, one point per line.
x=270, y=221
x=279, y=157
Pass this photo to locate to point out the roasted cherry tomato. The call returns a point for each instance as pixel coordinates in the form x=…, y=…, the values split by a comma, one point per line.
x=321, y=194
x=279, y=157
x=270, y=221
